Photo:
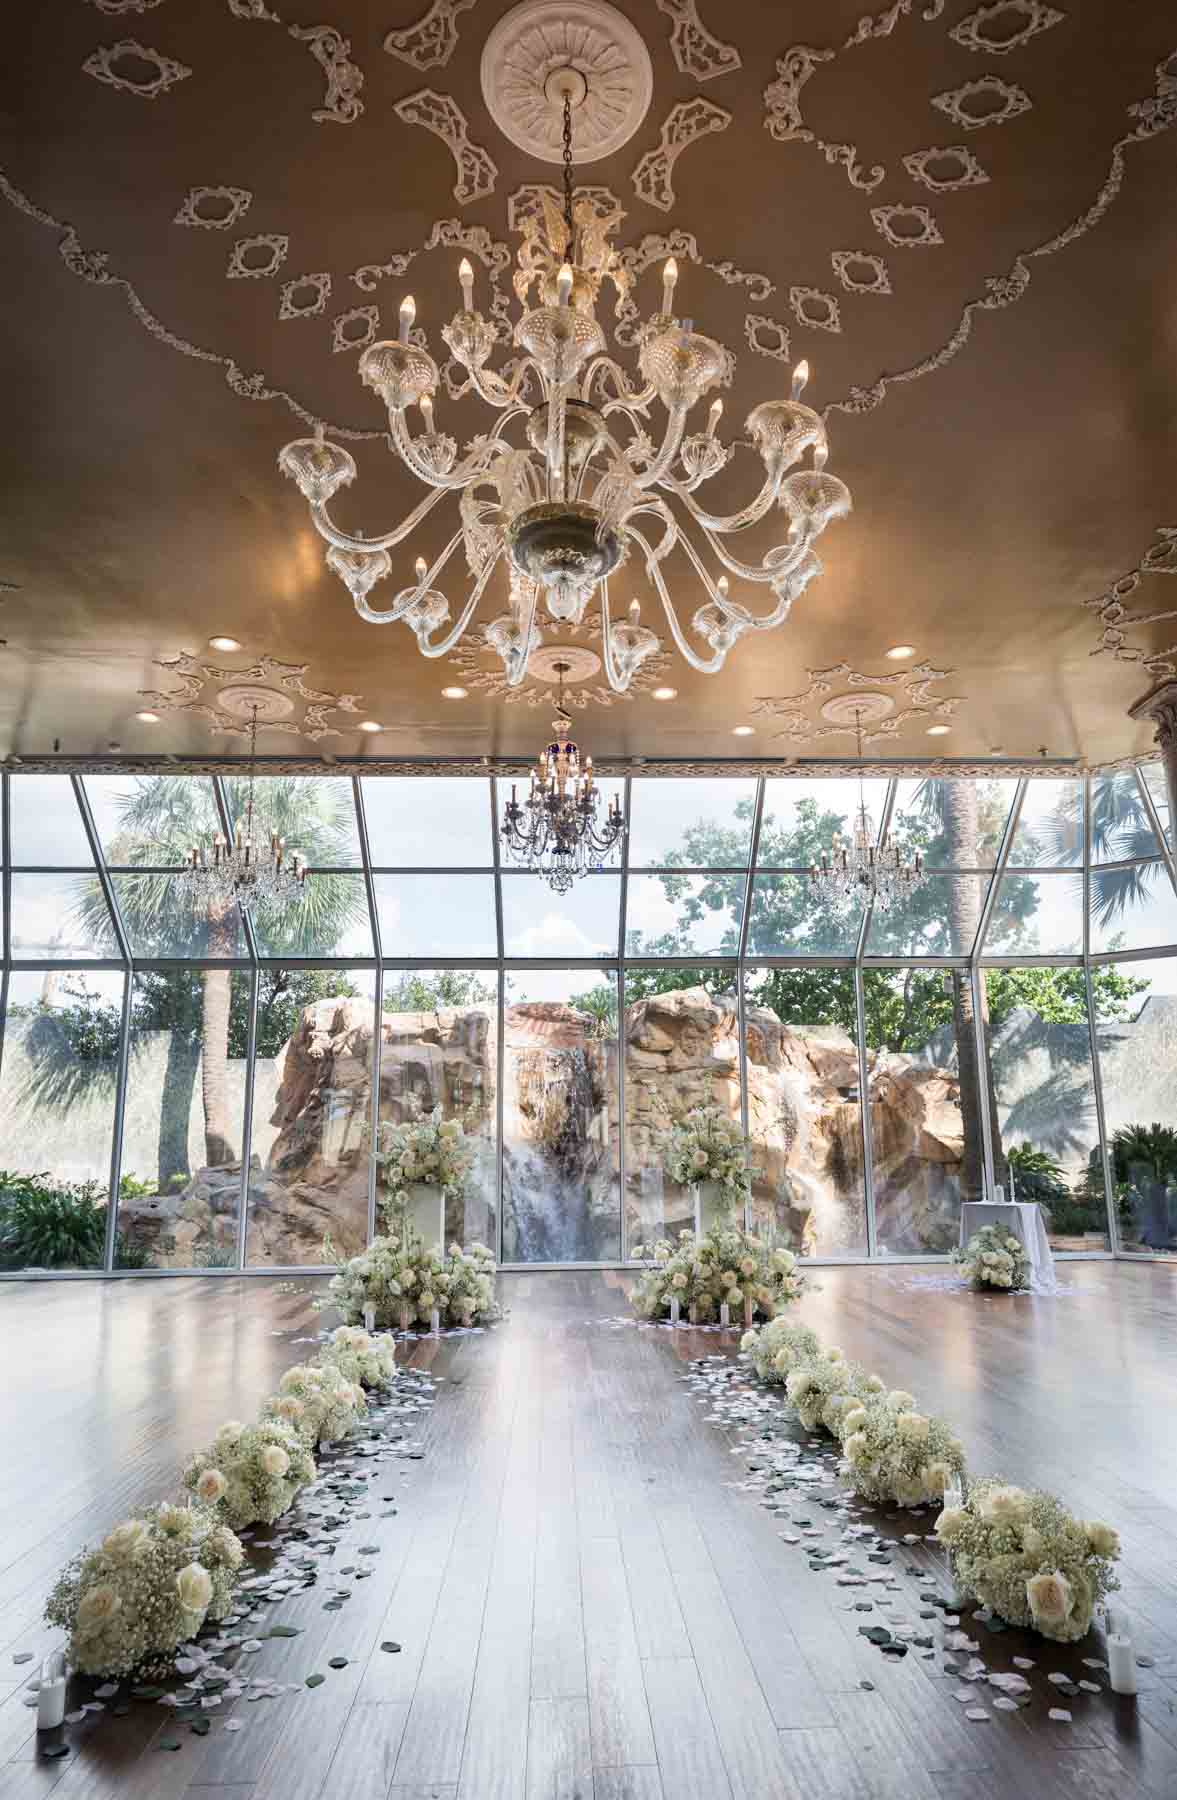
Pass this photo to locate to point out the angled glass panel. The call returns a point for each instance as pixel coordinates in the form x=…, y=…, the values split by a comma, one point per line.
x=312, y=1116
x=46, y=824
x=162, y=922
x=180, y=1190
x=683, y=915
x=940, y=918
x=151, y=821
x=926, y=1142
x=788, y=919
x=1037, y=915
x=1120, y=825
x=58, y=1087
x=315, y=814
x=582, y=922
x=1133, y=907
x=682, y=1039
x=1050, y=825
x=1154, y=777
x=805, y=1110
x=60, y=918
x=1136, y=1039
x=952, y=823
x=1046, y=1129
x=331, y=919
x=428, y=915
x=804, y=817
x=561, y=1190
x=430, y=821
x=439, y=1045
x=691, y=824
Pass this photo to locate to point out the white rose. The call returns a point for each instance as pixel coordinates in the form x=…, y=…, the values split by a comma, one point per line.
x=834, y=1355
x=1005, y=1505
x=175, y=1520
x=900, y=1400
x=231, y=1430
x=699, y=1159
x=289, y=1407
x=195, y=1587
x=127, y=1541
x=678, y=1279
x=274, y=1460
x=747, y=1265
x=856, y=1446
x=1049, y=1595
x=913, y=1427
x=96, y=1608
x=936, y=1477
x=855, y=1419
x=210, y=1486
x=951, y=1523
x=1103, y=1540
x=875, y=1384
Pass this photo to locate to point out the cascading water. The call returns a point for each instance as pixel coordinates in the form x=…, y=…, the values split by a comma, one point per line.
x=559, y=1188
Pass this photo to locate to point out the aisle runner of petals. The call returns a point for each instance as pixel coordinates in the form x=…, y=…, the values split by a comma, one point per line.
x=796, y=1479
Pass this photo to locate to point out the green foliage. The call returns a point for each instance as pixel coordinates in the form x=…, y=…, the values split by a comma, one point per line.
x=419, y=991
x=1037, y=1176
x=47, y=1224
x=1144, y=1152
x=600, y=1004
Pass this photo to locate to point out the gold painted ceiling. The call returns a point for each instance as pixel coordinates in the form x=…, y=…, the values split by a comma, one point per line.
x=964, y=216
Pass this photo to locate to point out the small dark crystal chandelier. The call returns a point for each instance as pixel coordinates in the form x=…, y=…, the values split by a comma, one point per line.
x=240, y=870
x=555, y=831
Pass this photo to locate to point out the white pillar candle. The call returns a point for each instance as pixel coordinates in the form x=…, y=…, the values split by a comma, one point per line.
x=51, y=1693
x=748, y=1311
x=675, y=1309
x=725, y=1314
x=435, y=1323
x=404, y=1315
x=693, y=1313
x=1121, y=1662
x=369, y=1317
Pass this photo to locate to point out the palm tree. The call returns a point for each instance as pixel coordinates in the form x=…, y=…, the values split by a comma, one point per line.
x=1120, y=829
x=160, y=816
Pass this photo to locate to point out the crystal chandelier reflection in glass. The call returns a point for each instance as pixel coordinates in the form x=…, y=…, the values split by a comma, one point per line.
x=240, y=871
x=865, y=870
x=587, y=487
x=555, y=831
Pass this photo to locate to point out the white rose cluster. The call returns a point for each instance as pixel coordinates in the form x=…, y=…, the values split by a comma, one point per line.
x=402, y=1282
x=426, y=1148
x=994, y=1258
x=252, y=1477
x=707, y=1145
x=724, y=1265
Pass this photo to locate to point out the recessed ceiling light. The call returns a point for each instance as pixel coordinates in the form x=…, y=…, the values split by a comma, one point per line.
x=223, y=643
x=454, y=693
x=666, y=693
x=938, y=730
x=897, y=652
x=148, y=718
x=370, y=725
x=743, y=730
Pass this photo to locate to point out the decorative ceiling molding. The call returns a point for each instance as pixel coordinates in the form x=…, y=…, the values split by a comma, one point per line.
x=477, y=171
x=768, y=337
x=253, y=9
x=102, y=64
x=317, y=287
x=887, y=217
x=239, y=268
x=478, y=768
x=206, y=692
x=783, y=121
x=1008, y=101
x=847, y=262
x=1154, y=115
x=529, y=47
x=963, y=171
x=344, y=338
x=125, y=6
x=234, y=203
x=431, y=42
x=983, y=30
x=913, y=687
x=468, y=661
x=684, y=124
x=332, y=51
x=527, y=202
x=1118, y=619
x=696, y=50
x=813, y=308
x=882, y=24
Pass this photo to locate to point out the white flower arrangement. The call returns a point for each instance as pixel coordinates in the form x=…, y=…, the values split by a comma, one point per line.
x=779, y=1346
x=250, y=1473
x=1021, y=1553
x=363, y=1360
x=705, y=1145
x=724, y=1264
x=318, y=1401
x=403, y=1282
x=427, y=1149
x=994, y=1258
x=148, y=1587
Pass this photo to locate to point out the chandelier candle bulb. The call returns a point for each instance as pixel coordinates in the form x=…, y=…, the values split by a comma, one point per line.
x=800, y=379
x=669, y=279
x=408, y=313
x=564, y=282
x=714, y=416
x=466, y=277
x=426, y=405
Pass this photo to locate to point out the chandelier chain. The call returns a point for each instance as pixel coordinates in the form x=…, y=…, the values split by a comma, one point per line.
x=569, y=228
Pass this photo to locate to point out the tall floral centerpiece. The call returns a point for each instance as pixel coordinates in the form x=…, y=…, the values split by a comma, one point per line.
x=725, y=1266
x=994, y=1258
x=424, y=1161
x=405, y=1284
x=704, y=1151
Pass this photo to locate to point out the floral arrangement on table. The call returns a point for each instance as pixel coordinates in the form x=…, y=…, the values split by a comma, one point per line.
x=318, y=1401
x=365, y=1361
x=251, y=1473
x=705, y=1145
x=1027, y=1558
x=724, y=1264
x=428, y=1149
x=148, y=1588
x=994, y=1258
x=403, y=1282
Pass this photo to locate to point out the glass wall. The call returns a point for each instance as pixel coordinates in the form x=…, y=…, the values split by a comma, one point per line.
x=1013, y=1022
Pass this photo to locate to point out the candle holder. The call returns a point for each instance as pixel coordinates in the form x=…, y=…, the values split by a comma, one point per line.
x=749, y=1310
x=51, y=1693
x=435, y=1323
x=675, y=1309
x=693, y=1313
x=369, y=1318
x=405, y=1316
x=725, y=1314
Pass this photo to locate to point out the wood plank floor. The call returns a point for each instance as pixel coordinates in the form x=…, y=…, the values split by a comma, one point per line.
x=586, y=1609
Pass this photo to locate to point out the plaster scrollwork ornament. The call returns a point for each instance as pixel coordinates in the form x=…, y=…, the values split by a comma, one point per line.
x=1118, y=618
x=305, y=297
x=906, y=227
x=253, y=9
x=257, y=258
x=696, y=51
x=783, y=120
x=946, y=169
x=369, y=275
x=213, y=208
x=207, y=692
x=820, y=312
x=881, y=25
x=684, y=124
x=1005, y=25
x=355, y=329
x=840, y=716
x=125, y=6
x=580, y=666
x=476, y=170
x=987, y=101
x=861, y=271
x=768, y=337
x=431, y=42
x=134, y=68
x=332, y=51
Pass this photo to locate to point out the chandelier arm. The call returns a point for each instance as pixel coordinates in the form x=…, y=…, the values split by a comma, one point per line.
x=739, y=521
x=474, y=465
x=760, y=572
x=731, y=608
x=447, y=643
x=342, y=540
x=518, y=665
x=557, y=414
x=492, y=388
x=705, y=665
x=660, y=467
x=408, y=597
x=611, y=673
x=627, y=397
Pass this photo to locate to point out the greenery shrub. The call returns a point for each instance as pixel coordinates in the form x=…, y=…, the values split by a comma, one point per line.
x=47, y=1224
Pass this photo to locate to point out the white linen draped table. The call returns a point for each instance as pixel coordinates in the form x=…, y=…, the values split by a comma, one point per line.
x=1023, y=1219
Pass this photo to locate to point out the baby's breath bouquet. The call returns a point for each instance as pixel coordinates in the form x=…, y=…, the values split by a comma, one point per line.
x=725, y=1264
x=895, y=1453
x=251, y=1473
x=705, y=1145
x=403, y=1282
x=1020, y=1552
x=823, y=1387
x=994, y=1258
x=363, y=1360
x=148, y=1587
x=470, y=1285
x=319, y=1401
x=426, y=1149
x=777, y=1347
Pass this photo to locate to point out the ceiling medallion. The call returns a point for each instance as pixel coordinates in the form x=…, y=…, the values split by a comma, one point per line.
x=588, y=488
x=869, y=869
x=226, y=698
x=530, y=52
x=555, y=832
x=857, y=710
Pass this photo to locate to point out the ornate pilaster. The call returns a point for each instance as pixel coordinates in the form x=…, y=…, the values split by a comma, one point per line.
x=1160, y=705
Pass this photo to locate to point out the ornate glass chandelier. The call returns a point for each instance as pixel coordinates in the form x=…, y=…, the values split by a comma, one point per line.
x=587, y=487
x=866, y=869
x=239, y=871
x=554, y=832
